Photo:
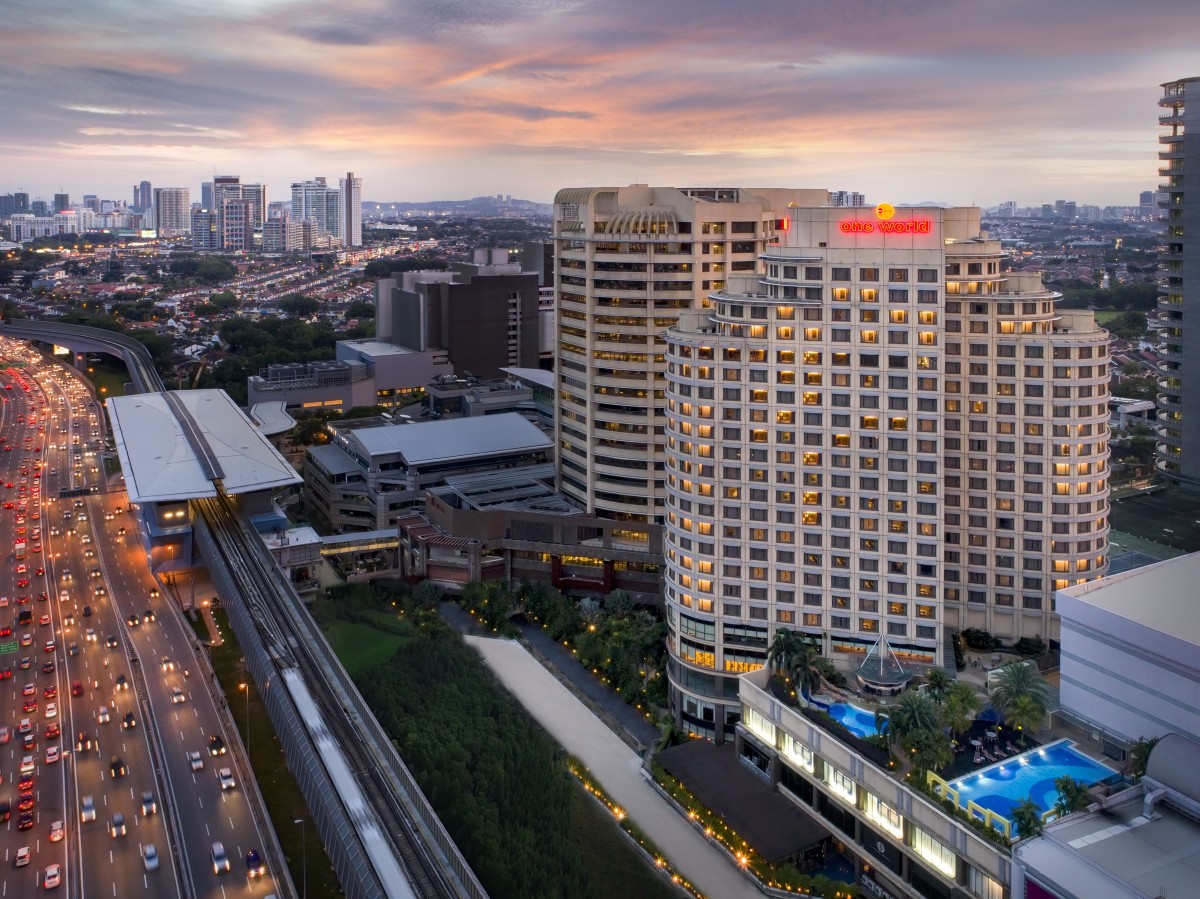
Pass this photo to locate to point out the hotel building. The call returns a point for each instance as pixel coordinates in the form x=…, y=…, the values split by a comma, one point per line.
x=629, y=261
x=881, y=433
x=1179, y=164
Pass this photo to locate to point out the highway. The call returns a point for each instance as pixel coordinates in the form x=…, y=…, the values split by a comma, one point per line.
x=84, y=552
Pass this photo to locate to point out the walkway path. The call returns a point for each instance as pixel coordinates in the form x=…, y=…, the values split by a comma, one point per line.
x=615, y=766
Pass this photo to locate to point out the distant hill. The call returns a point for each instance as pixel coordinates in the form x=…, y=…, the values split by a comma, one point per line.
x=492, y=205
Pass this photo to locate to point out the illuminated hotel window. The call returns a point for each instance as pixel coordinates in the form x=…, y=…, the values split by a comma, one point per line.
x=869, y=336
x=812, y=334
x=869, y=295
x=841, y=294
x=812, y=357
x=785, y=333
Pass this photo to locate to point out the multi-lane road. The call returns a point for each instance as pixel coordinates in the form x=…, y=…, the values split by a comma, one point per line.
x=131, y=701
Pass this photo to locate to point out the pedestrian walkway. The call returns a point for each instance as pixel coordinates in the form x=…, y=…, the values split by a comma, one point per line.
x=615, y=767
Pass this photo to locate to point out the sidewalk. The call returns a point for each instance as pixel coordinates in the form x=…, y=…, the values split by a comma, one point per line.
x=614, y=765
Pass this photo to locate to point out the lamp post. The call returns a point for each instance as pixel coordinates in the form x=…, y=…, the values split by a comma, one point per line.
x=303, y=852
x=246, y=688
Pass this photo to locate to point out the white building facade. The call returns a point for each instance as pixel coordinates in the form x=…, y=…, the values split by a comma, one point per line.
x=879, y=434
x=351, y=218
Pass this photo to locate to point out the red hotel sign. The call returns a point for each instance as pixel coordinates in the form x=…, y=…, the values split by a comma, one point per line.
x=912, y=226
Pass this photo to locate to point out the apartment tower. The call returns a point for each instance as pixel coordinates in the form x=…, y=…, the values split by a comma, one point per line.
x=172, y=211
x=629, y=261
x=351, y=218
x=1179, y=164
x=881, y=433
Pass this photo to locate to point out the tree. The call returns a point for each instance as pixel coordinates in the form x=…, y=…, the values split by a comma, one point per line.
x=360, y=309
x=961, y=707
x=427, y=593
x=1014, y=680
x=810, y=669
x=1025, y=713
x=299, y=305
x=912, y=712
x=1072, y=796
x=618, y=603
x=785, y=651
x=937, y=682
x=928, y=749
x=1139, y=755
x=1026, y=817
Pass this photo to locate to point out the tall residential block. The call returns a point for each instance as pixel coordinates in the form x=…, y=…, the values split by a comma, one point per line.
x=882, y=433
x=1179, y=279
x=172, y=211
x=351, y=216
x=317, y=202
x=629, y=261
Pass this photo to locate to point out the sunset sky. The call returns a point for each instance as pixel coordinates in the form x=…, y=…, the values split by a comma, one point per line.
x=958, y=101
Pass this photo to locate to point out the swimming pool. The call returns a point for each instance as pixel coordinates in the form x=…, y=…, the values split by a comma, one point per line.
x=1031, y=775
x=859, y=722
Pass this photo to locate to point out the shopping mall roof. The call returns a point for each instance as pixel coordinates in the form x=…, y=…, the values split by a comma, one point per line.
x=454, y=439
x=187, y=444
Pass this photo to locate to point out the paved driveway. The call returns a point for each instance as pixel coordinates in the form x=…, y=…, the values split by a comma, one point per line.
x=614, y=765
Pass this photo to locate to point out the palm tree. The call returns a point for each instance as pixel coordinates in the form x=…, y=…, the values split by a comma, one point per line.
x=1025, y=714
x=1026, y=817
x=1072, y=796
x=785, y=651
x=912, y=712
x=810, y=669
x=961, y=707
x=1017, y=679
x=937, y=683
x=928, y=749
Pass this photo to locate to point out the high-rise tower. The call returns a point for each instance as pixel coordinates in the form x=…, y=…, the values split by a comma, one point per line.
x=881, y=434
x=351, y=217
x=1179, y=165
x=172, y=211
x=629, y=261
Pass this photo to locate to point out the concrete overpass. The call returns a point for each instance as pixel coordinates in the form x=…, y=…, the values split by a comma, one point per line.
x=82, y=339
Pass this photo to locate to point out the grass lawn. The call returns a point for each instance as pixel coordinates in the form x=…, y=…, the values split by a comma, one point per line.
x=285, y=803
x=1103, y=316
x=360, y=646
x=109, y=376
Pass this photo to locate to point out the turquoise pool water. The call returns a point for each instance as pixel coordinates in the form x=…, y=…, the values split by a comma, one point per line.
x=1031, y=775
x=858, y=721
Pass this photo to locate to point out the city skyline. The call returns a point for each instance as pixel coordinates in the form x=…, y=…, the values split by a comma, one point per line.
x=448, y=100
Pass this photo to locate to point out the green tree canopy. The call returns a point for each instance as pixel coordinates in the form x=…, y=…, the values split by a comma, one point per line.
x=1016, y=679
x=298, y=304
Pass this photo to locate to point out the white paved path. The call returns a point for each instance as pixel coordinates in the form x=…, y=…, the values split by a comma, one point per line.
x=615, y=766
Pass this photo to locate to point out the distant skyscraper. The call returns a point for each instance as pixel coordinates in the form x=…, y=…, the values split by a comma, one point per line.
x=317, y=202
x=62, y=202
x=1179, y=279
x=846, y=198
x=351, y=189
x=143, y=196
x=21, y=200
x=92, y=202
x=256, y=196
x=206, y=233
x=206, y=195
x=38, y=207
x=172, y=211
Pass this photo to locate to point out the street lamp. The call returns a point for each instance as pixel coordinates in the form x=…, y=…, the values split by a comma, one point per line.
x=246, y=687
x=303, y=851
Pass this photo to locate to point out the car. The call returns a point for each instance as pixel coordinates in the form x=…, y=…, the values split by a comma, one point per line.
x=22, y=858
x=44, y=620
x=25, y=802
x=225, y=779
x=167, y=664
x=25, y=664
x=117, y=767
x=177, y=695
x=56, y=832
x=95, y=572
x=220, y=861
x=49, y=646
x=116, y=827
x=5, y=631
x=87, y=611
x=254, y=864
x=76, y=688
x=128, y=722
x=69, y=620
x=196, y=760
x=25, y=726
x=149, y=616
x=111, y=642
x=149, y=805
x=53, y=877
x=53, y=730
x=216, y=746
x=83, y=742
x=100, y=591
x=6, y=672
x=150, y=857
x=50, y=692
x=51, y=710
x=133, y=620
x=90, y=634
x=48, y=667
x=30, y=706
x=29, y=690
x=5, y=810
x=73, y=649
x=53, y=754
x=25, y=821
x=102, y=715
x=26, y=639
x=5, y=735
x=27, y=765
x=122, y=682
